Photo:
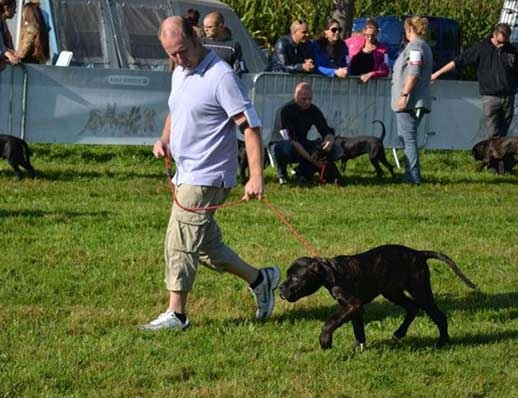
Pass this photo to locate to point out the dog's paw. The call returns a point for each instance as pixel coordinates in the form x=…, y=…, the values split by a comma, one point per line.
x=326, y=342
x=398, y=335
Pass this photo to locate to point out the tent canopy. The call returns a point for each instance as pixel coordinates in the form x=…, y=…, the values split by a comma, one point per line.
x=123, y=33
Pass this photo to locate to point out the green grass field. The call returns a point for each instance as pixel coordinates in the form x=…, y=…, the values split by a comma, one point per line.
x=81, y=265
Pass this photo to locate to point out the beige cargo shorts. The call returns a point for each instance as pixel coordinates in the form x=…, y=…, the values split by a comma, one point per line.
x=194, y=237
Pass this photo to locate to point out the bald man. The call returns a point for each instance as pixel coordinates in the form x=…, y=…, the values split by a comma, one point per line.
x=294, y=120
x=293, y=53
x=206, y=103
x=218, y=38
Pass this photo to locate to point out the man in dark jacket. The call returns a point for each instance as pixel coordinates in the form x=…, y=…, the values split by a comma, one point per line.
x=497, y=72
x=290, y=142
x=218, y=38
x=293, y=52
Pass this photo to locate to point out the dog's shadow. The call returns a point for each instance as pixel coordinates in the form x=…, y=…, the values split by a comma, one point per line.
x=381, y=309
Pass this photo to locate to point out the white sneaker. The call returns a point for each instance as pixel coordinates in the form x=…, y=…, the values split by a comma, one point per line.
x=263, y=294
x=166, y=320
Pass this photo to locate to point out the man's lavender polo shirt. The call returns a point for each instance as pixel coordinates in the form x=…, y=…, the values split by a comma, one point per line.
x=203, y=137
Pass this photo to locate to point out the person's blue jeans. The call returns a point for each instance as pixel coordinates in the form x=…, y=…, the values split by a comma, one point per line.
x=407, y=124
x=285, y=153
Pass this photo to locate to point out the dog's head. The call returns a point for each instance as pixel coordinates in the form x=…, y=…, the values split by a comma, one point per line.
x=305, y=276
x=480, y=150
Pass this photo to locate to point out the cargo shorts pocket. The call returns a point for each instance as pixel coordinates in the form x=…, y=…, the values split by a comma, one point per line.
x=187, y=235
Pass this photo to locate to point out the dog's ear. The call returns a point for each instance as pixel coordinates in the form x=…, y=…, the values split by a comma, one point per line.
x=325, y=268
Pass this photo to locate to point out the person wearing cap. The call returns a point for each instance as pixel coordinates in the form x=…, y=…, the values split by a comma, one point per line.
x=496, y=60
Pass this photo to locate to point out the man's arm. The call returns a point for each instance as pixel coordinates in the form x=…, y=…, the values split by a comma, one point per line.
x=254, y=188
x=161, y=147
x=445, y=69
x=327, y=133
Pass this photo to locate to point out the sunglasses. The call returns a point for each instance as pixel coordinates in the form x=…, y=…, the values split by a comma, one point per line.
x=334, y=30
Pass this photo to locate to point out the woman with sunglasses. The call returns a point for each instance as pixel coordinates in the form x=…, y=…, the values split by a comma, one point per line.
x=330, y=51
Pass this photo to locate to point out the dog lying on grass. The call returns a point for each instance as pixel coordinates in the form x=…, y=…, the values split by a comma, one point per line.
x=499, y=154
x=17, y=153
x=353, y=281
x=353, y=147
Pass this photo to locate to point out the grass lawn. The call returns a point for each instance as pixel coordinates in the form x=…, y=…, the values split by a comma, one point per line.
x=81, y=265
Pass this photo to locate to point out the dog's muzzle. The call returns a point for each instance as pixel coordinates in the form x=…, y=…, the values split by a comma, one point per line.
x=282, y=292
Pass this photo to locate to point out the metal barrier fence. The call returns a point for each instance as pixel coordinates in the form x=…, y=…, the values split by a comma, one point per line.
x=107, y=106
x=350, y=106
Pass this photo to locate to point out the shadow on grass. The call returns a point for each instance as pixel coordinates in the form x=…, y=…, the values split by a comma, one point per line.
x=361, y=180
x=71, y=175
x=41, y=214
x=377, y=311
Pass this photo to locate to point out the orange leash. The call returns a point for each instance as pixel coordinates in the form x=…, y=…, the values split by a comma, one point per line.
x=297, y=234
x=192, y=209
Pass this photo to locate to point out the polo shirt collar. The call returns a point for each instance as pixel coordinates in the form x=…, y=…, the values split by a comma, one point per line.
x=205, y=63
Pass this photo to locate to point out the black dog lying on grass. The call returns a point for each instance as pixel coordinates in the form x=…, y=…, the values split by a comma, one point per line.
x=499, y=154
x=354, y=281
x=17, y=153
x=353, y=147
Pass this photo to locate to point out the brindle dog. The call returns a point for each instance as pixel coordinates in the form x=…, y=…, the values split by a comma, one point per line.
x=390, y=270
x=499, y=154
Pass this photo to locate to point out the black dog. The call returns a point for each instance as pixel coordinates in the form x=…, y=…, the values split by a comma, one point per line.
x=354, y=281
x=329, y=172
x=499, y=154
x=353, y=147
x=242, y=159
x=17, y=153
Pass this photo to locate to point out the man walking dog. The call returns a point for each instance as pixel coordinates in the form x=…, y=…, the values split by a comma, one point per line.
x=206, y=102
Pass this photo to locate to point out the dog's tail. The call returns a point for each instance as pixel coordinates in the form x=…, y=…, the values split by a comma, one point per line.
x=451, y=263
x=383, y=130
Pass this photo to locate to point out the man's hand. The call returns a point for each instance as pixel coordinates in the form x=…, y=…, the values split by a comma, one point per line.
x=159, y=149
x=308, y=65
x=254, y=188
